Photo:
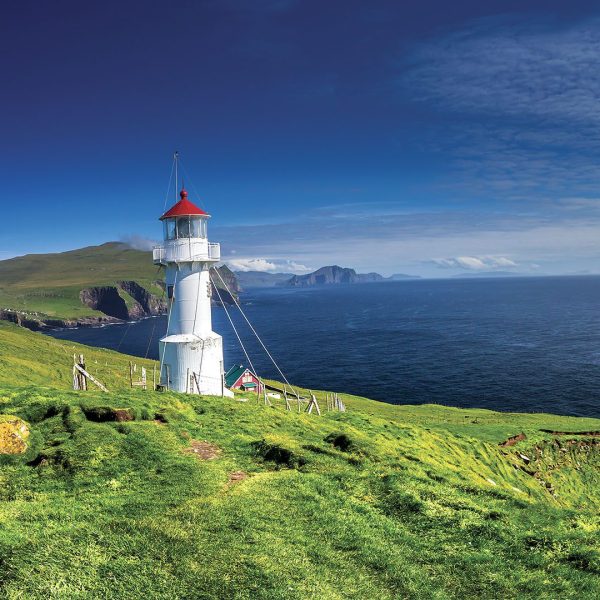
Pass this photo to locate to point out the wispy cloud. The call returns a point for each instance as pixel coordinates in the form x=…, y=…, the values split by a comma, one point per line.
x=495, y=67
x=521, y=102
x=475, y=263
x=267, y=266
x=252, y=264
x=422, y=242
x=137, y=241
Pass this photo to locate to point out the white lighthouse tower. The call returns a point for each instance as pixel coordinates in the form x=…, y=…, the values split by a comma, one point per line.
x=191, y=354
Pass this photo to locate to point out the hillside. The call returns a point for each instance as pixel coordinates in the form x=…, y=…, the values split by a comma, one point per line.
x=95, y=284
x=200, y=497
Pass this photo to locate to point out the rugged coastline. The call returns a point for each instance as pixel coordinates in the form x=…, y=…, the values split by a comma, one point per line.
x=89, y=287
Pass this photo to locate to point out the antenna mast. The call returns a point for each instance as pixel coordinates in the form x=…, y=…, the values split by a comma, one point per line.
x=176, y=159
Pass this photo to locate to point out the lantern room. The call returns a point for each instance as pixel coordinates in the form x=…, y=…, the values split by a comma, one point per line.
x=185, y=235
x=184, y=220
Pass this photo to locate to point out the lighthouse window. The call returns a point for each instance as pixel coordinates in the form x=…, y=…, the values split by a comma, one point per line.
x=170, y=230
x=196, y=226
x=183, y=227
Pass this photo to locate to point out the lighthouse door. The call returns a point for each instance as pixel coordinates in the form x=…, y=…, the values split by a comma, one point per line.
x=165, y=376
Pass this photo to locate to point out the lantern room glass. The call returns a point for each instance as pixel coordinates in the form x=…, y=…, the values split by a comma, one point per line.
x=184, y=228
x=170, y=231
x=198, y=227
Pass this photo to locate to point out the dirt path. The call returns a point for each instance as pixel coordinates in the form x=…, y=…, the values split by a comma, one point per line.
x=203, y=450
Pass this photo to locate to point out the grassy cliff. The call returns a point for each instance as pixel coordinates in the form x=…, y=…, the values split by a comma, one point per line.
x=201, y=497
x=111, y=281
x=49, y=284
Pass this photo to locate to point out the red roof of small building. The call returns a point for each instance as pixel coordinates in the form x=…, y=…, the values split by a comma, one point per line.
x=183, y=208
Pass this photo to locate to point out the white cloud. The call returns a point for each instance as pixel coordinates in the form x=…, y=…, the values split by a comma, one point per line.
x=138, y=242
x=532, y=241
x=267, y=266
x=294, y=267
x=251, y=264
x=475, y=263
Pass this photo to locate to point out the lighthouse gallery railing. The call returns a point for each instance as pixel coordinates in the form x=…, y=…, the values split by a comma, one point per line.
x=185, y=251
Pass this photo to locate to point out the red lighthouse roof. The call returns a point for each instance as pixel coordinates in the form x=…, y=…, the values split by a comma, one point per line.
x=184, y=208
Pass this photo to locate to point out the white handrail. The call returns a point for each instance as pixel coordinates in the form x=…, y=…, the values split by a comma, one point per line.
x=186, y=252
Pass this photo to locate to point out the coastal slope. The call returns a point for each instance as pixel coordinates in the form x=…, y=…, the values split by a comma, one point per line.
x=107, y=283
x=134, y=493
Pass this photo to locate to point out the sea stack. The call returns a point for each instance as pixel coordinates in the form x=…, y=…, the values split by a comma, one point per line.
x=190, y=353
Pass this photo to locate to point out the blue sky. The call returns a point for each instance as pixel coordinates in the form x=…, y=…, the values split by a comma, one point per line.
x=429, y=138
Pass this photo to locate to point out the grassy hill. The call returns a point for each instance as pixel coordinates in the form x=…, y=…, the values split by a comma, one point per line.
x=49, y=284
x=201, y=497
x=47, y=287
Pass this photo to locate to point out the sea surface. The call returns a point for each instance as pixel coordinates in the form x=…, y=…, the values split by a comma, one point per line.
x=512, y=344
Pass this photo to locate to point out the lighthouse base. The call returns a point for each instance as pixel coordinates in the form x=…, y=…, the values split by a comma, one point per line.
x=193, y=364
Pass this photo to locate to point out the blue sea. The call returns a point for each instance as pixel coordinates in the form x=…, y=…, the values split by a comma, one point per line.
x=511, y=344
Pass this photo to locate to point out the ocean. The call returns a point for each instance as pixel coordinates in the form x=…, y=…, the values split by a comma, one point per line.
x=510, y=344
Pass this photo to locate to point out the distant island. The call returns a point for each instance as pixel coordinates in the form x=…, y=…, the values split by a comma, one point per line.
x=329, y=275
x=339, y=275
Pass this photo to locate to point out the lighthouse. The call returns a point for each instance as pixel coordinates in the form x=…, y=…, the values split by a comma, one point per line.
x=190, y=353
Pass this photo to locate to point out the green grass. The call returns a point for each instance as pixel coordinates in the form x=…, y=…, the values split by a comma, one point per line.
x=378, y=502
x=28, y=358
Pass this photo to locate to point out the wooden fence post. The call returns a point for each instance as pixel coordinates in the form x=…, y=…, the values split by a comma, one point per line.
x=313, y=404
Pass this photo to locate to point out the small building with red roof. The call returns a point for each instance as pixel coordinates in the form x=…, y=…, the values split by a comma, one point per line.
x=241, y=378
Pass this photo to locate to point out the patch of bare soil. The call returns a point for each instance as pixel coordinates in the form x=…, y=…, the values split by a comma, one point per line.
x=236, y=477
x=204, y=450
x=511, y=441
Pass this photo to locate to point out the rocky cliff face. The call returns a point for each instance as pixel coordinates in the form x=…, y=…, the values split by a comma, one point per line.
x=146, y=304
x=324, y=276
x=105, y=299
x=125, y=301
x=231, y=282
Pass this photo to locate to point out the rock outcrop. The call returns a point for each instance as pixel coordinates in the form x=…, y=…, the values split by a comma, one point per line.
x=231, y=282
x=146, y=304
x=105, y=299
x=126, y=300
